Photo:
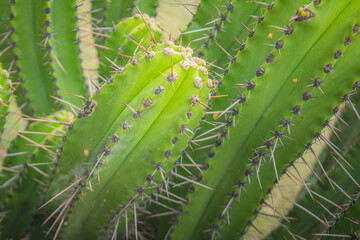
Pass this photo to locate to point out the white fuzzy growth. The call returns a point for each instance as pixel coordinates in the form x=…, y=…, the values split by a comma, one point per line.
x=150, y=55
x=194, y=100
x=204, y=70
x=168, y=51
x=198, y=82
x=210, y=83
x=194, y=65
x=185, y=64
x=189, y=50
x=172, y=77
x=196, y=60
x=5, y=73
x=168, y=43
x=182, y=49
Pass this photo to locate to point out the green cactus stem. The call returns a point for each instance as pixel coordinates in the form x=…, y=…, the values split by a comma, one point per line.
x=163, y=88
x=32, y=51
x=68, y=73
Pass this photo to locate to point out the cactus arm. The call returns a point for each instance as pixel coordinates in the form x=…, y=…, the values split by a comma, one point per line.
x=24, y=195
x=267, y=115
x=33, y=58
x=133, y=28
x=134, y=146
x=67, y=64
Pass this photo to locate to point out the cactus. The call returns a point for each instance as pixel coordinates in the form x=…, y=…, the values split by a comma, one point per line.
x=167, y=145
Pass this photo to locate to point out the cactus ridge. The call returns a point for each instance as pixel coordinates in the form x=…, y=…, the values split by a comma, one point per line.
x=68, y=72
x=180, y=83
x=35, y=63
x=247, y=173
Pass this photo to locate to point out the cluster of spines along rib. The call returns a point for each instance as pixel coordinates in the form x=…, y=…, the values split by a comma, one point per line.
x=127, y=36
x=34, y=69
x=139, y=119
x=264, y=37
x=6, y=90
x=204, y=14
x=329, y=203
x=5, y=32
x=65, y=51
x=25, y=173
x=228, y=28
x=296, y=83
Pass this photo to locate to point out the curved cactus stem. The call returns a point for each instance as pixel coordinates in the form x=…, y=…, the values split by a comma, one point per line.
x=129, y=113
x=67, y=64
x=202, y=210
x=118, y=48
x=26, y=171
x=32, y=50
